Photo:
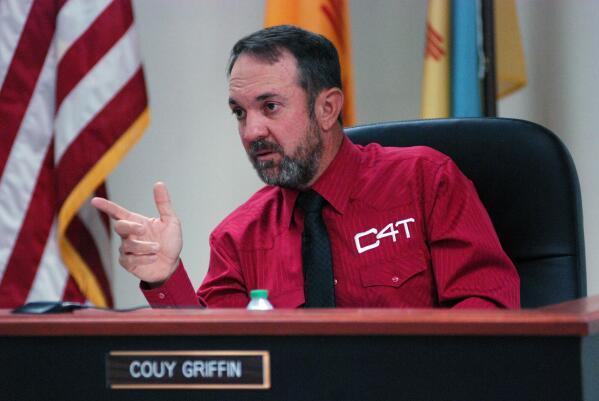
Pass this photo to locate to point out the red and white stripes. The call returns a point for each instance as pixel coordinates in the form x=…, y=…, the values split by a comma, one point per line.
x=72, y=102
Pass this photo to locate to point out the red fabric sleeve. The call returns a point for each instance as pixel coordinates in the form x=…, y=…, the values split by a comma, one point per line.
x=470, y=267
x=177, y=291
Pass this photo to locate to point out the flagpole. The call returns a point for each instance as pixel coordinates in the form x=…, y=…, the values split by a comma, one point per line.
x=490, y=79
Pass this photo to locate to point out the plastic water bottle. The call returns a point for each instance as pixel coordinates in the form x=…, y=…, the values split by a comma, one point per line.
x=259, y=300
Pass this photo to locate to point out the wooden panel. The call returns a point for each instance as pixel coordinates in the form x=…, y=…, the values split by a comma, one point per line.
x=575, y=318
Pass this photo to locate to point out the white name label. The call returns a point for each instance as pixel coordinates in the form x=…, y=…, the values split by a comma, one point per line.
x=188, y=369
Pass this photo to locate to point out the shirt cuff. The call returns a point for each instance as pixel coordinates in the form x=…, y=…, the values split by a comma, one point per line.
x=177, y=291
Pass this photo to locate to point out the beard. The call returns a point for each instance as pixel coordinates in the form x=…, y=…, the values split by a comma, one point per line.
x=293, y=171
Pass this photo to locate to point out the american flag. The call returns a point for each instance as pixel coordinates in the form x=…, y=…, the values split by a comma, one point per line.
x=72, y=103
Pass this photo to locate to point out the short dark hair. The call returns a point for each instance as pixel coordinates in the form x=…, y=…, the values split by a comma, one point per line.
x=317, y=59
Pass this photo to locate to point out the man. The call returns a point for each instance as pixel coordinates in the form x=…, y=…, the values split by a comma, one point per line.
x=402, y=226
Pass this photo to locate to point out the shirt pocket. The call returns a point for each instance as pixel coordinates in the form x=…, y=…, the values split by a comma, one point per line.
x=393, y=273
x=402, y=282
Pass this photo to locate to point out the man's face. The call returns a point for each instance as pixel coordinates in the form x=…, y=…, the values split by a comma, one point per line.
x=281, y=139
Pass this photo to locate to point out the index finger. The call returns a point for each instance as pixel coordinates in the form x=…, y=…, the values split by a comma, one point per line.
x=112, y=209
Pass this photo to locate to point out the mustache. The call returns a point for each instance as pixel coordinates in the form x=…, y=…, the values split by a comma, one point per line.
x=261, y=144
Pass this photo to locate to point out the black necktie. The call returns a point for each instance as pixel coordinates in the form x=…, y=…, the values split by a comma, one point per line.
x=316, y=253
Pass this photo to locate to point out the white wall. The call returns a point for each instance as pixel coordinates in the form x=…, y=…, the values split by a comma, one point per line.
x=192, y=143
x=193, y=146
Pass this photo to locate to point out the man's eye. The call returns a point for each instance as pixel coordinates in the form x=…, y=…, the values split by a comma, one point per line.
x=238, y=113
x=271, y=106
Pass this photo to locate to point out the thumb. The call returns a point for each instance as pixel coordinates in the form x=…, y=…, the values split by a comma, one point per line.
x=163, y=200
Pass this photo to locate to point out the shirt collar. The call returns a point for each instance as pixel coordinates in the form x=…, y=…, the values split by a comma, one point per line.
x=335, y=184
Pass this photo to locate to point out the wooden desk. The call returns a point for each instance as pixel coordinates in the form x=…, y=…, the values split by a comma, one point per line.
x=340, y=354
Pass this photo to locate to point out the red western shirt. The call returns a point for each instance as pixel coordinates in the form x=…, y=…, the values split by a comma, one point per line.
x=407, y=229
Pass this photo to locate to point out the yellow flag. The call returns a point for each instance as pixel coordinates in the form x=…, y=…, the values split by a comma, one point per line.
x=329, y=18
x=511, y=70
x=435, y=82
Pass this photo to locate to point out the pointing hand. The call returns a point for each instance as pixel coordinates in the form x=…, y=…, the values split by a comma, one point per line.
x=150, y=247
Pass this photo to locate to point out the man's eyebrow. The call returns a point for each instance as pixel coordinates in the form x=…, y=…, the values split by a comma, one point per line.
x=265, y=96
x=259, y=98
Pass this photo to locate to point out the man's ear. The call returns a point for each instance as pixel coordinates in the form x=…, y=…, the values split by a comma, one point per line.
x=329, y=104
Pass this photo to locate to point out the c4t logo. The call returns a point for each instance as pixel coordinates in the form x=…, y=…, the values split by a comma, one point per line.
x=364, y=243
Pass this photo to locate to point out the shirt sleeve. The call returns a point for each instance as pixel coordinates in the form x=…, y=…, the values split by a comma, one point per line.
x=177, y=291
x=471, y=269
x=224, y=285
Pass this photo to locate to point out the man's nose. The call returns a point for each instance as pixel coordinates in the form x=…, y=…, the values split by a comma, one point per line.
x=255, y=128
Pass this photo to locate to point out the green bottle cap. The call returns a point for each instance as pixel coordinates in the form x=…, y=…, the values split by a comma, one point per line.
x=258, y=294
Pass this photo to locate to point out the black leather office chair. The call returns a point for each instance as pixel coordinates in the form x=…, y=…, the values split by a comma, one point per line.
x=526, y=179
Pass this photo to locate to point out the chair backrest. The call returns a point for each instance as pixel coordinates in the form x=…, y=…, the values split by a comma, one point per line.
x=526, y=179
